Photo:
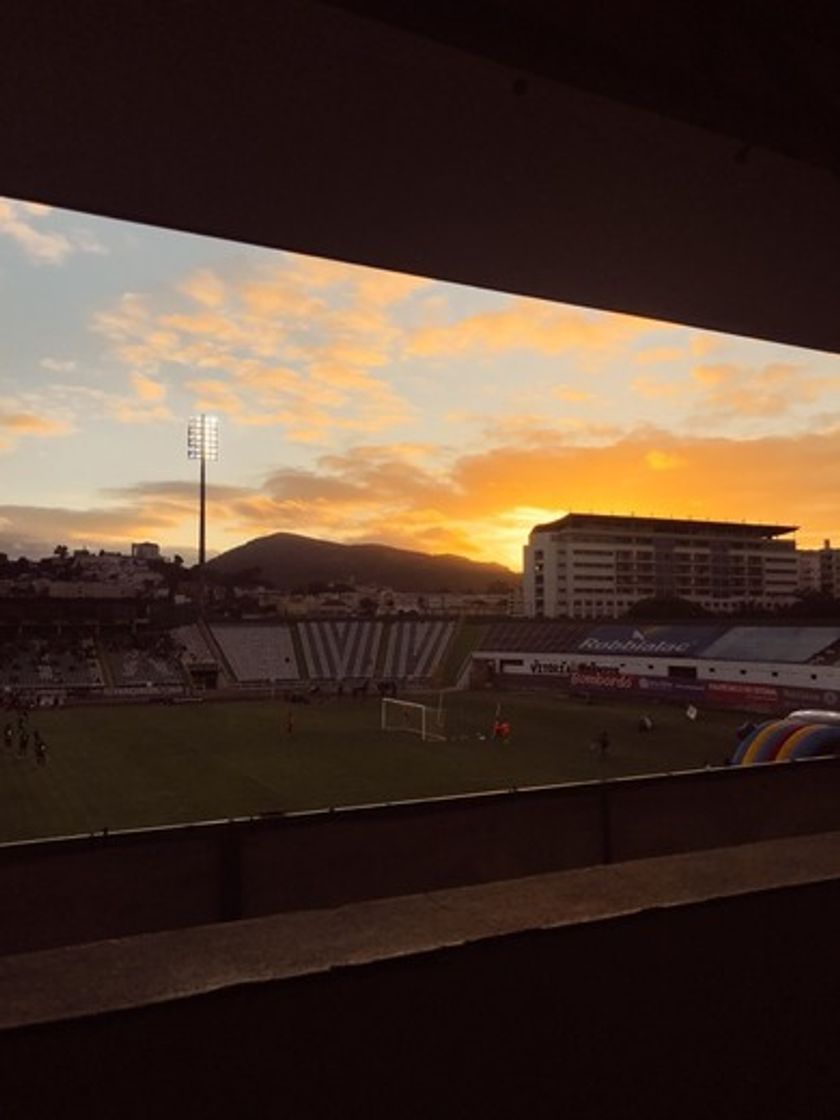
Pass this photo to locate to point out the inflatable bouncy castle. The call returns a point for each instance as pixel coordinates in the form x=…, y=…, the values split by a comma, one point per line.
x=802, y=734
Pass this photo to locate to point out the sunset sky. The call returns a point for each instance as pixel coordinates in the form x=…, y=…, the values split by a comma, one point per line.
x=359, y=406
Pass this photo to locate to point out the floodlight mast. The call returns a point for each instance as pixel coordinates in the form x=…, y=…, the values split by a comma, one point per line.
x=203, y=445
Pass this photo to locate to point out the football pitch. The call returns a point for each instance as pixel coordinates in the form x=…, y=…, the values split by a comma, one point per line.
x=121, y=766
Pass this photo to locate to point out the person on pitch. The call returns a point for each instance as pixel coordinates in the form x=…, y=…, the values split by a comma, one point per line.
x=501, y=729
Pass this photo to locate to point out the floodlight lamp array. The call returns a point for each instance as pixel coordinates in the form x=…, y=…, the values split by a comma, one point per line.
x=203, y=438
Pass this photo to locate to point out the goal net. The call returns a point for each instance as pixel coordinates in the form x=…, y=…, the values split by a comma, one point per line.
x=419, y=719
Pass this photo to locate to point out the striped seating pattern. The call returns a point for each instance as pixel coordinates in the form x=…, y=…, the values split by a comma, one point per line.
x=415, y=649
x=340, y=650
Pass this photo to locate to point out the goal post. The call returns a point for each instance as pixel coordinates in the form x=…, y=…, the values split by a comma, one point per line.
x=407, y=715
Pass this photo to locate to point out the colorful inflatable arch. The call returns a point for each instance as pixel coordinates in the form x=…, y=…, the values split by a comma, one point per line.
x=800, y=735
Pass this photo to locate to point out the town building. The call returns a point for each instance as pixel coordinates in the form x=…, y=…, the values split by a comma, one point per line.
x=598, y=566
x=819, y=570
x=145, y=550
x=808, y=571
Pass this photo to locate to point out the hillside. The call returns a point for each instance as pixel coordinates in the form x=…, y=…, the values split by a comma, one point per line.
x=287, y=561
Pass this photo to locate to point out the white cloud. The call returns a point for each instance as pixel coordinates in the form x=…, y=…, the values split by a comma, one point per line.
x=58, y=365
x=24, y=224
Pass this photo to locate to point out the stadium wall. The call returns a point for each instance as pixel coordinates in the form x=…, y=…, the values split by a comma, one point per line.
x=761, y=687
x=691, y=1000
x=66, y=891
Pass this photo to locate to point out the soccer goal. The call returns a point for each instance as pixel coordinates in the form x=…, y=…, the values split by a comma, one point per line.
x=406, y=715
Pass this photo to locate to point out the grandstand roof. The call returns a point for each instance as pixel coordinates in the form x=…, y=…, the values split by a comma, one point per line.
x=667, y=524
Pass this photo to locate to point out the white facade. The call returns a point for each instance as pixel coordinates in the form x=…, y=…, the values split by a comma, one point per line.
x=145, y=550
x=808, y=570
x=560, y=665
x=598, y=566
x=819, y=570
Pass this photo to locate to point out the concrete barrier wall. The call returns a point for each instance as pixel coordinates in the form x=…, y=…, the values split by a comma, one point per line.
x=718, y=808
x=64, y=892
x=328, y=859
x=60, y=892
x=717, y=1009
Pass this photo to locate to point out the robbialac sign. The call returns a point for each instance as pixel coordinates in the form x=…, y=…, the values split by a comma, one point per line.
x=664, y=641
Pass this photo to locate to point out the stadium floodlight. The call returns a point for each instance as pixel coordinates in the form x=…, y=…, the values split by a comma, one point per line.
x=203, y=438
x=203, y=445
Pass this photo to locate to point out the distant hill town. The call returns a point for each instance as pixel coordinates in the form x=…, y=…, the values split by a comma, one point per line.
x=290, y=562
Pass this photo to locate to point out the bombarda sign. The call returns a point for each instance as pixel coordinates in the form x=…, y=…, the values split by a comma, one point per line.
x=610, y=679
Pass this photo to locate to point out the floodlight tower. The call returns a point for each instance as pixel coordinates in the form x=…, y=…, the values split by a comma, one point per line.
x=202, y=444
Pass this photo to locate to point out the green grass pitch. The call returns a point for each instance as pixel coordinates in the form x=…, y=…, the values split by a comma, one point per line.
x=152, y=764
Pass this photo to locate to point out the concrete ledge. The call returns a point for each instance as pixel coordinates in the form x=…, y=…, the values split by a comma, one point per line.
x=81, y=981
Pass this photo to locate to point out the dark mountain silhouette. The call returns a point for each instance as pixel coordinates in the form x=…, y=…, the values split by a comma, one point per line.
x=287, y=561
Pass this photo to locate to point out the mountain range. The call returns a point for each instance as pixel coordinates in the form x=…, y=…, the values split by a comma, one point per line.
x=288, y=562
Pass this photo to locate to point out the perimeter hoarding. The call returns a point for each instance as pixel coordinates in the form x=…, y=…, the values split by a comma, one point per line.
x=714, y=694
x=561, y=673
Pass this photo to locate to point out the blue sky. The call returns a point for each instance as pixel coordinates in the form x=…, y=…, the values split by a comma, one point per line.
x=359, y=405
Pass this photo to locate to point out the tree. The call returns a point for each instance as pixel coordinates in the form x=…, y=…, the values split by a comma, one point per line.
x=498, y=587
x=666, y=607
x=814, y=604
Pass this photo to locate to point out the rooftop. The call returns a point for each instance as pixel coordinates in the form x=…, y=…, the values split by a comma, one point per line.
x=662, y=524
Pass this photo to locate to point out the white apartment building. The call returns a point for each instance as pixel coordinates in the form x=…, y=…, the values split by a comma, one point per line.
x=808, y=569
x=597, y=565
x=819, y=569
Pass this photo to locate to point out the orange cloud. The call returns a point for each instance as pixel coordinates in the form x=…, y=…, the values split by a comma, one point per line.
x=654, y=355
x=205, y=287
x=663, y=460
x=703, y=344
x=768, y=391
x=216, y=396
x=533, y=325
x=480, y=504
x=17, y=424
x=147, y=389
x=567, y=393
x=278, y=352
x=652, y=388
x=25, y=423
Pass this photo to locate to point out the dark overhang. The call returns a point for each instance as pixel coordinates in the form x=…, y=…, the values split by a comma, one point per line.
x=672, y=161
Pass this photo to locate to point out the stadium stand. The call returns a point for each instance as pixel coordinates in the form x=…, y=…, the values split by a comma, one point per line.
x=772, y=643
x=817, y=645
x=415, y=649
x=192, y=646
x=340, y=651
x=828, y=656
x=54, y=662
x=134, y=662
x=533, y=636
x=258, y=653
